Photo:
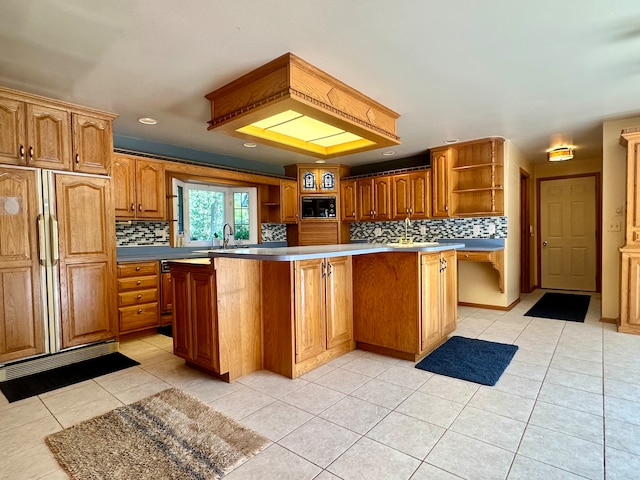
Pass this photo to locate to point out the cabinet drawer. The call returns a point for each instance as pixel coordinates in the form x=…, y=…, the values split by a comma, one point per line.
x=138, y=317
x=138, y=297
x=137, y=269
x=137, y=283
x=478, y=256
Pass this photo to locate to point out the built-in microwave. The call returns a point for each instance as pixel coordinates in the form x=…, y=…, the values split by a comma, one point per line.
x=318, y=207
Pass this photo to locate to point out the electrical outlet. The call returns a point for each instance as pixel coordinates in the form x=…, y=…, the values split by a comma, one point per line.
x=423, y=229
x=377, y=231
x=614, y=226
x=492, y=229
x=476, y=230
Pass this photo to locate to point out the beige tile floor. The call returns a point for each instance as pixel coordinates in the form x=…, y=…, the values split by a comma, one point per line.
x=567, y=407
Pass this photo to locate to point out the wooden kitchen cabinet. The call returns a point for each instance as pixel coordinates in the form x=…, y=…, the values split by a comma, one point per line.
x=348, y=200
x=374, y=199
x=317, y=324
x=166, y=299
x=43, y=133
x=417, y=289
x=318, y=180
x=411, y=195
x=139, y=188
x=195, y=326
x=138, y=296
x=441, y=204
x=279, y=203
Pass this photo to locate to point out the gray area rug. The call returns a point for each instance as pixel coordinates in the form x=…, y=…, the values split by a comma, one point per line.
x=169, y=435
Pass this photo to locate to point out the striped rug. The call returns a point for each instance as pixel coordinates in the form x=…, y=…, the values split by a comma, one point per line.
x=170, y=435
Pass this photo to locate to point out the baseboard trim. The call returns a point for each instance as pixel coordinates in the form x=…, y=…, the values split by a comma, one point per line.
x=609, y=320
x=490, y=307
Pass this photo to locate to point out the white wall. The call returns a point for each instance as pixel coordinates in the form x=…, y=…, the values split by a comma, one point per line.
x=614, y=175
x=478, y=282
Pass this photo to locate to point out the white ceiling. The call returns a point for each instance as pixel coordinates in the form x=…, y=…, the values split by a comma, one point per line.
x=539, y=73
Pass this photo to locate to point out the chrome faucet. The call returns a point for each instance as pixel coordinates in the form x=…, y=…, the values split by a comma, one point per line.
x=226, y=237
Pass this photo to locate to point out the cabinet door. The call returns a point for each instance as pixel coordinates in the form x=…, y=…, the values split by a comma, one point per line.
x=182, y=334
x=86, y=259
x=339, y=301
x=150, y=189
x=288, y=201
x=420, y=200
x=204, y=321
x=21, y=316
x=430, y=327
x=441, y=191
x=400, y=197
x=13, y=143
x=348, y=200
x=365, y=200
x=382, y=198
x=308, y=180
x=449, y=292
x=166, y=293
x=49, y=137
x=92, y=145
x=310, y=327
x=124, y=186
x=326, y=180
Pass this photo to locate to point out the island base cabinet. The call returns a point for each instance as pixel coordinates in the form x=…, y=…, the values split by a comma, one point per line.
x=307, y=313
x=405, y=303
x=195, y=333
x=630, y=292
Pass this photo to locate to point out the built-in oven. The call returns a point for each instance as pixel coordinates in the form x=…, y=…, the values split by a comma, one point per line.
x=318, y=207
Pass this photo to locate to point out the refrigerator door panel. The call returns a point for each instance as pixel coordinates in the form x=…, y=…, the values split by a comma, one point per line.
x=22, y=317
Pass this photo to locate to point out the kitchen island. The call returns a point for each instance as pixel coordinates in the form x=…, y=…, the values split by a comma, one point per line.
x=292, y=309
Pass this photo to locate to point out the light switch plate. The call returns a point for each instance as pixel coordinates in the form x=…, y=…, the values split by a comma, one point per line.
x=423, y=229
x=492, y=229
x=377, y=231
x=476, y=230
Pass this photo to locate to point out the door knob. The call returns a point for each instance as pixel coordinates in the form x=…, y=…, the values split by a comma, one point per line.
x=544, y=244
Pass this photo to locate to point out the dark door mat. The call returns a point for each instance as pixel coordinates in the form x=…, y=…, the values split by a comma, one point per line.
x=561, y=306
x=470, y=359
x=166, y=330
x=32, y=385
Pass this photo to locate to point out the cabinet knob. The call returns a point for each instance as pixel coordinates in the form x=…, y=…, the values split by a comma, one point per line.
x=139, y=296
x=21, y=152
x=133, y=207
x=77, y=159
x=466, y=255
x=140, y=207
x=446, y=208
x=139, y=311
x=138, y=282
x=138, y=268
x=30, y=153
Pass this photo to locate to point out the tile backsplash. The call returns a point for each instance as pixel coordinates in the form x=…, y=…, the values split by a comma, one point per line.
x=156, y=234
x=137, y=234
x=430, y=230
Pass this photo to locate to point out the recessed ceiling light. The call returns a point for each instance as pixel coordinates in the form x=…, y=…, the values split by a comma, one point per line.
x=320, y=161
x=453, y=140
x=250, y=145
x=147, y=120
x=388, y=153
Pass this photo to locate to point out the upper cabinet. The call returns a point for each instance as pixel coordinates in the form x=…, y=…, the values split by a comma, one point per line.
x=373, y=199
x=139, y=188
x=318, y=180
x=43, y=133
x=411, y=195
x=279, y=202
x=348, y=202
x=468, y=179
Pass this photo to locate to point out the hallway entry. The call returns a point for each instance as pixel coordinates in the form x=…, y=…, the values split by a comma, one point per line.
x=568, y=247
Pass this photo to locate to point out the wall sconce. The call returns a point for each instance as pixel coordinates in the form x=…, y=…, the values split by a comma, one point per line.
x=560, y=154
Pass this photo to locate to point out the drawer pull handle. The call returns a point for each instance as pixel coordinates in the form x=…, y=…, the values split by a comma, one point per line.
x=139, y=311
x=138, y=282
x=139, y=296
x=138, y=269
x=466, y=255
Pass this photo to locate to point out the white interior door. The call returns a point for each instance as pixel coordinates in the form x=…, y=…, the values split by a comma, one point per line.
x=568, y=233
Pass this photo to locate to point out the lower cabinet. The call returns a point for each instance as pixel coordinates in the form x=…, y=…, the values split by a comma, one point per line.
x=195, y=327
x=630, y=291
x=439, y=302
x=314, y=326
x=405, y=303
x=138, y=295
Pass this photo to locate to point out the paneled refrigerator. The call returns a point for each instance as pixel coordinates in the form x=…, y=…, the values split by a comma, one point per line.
x=57, y=269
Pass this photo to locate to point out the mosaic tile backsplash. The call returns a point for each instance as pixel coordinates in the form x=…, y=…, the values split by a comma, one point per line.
x=137, y=234
x=430, y=230
x=156, y=234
